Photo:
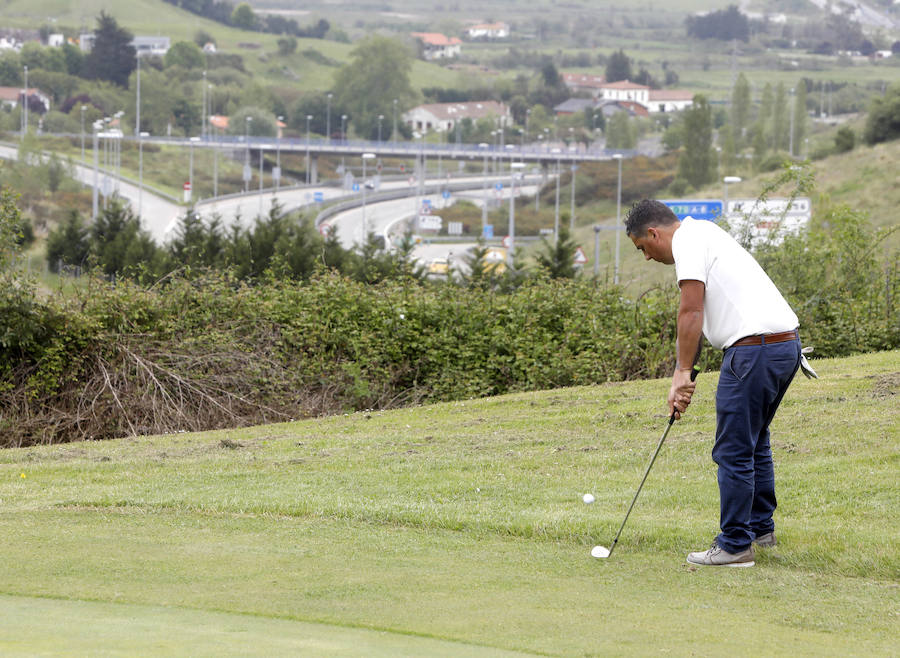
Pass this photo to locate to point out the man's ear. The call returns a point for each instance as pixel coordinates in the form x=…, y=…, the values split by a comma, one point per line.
x=653, y=233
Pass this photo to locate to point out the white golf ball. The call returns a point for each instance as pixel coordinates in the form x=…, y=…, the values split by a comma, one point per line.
x=588, y=498
x=600, y=552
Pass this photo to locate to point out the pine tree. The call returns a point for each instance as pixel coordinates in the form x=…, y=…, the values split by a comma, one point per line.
x=112, y=57
x=697, y=164
x=740, y=110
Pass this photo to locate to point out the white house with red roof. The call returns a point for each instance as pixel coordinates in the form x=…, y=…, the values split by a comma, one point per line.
x=488, y=31
x=12, y=96
x=445, y=116
x=669, y=100
x=625, y=90
x=437, y=46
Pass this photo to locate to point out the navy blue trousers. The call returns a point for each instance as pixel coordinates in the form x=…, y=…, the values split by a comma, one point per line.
x=752, y=381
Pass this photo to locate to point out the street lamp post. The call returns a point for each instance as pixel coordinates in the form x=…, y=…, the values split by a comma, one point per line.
x=137, y=100
x=247, y=173
x=365, y=157
x=141, y=137
x=203, y=108
x=791, y=138
x=83, y=108
x=484, y=197
x=97, y=125
x=328, y=117
x=193, y=140
x=556, y=211
x=343, y=128
x=618, y=156
x=572, y=217
x=513, y=168
x=394, y=131
x=726, y=181
x=308, y=119
x=25, y=105
x=380, y=119
x=276, y=173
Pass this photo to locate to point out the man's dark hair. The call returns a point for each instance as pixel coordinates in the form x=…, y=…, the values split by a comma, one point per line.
x=647, y=213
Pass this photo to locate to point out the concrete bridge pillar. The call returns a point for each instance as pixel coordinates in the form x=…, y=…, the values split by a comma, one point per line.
x=313, y=169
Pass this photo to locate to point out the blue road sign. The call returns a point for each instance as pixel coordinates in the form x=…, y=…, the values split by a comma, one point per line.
x=710, y=209
x=498, y=186
x=488, y=231
x=356, y=187
x=318, y=197
x=446, y=194
x=426, y=203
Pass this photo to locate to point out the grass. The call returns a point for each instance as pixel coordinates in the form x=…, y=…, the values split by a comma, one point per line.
x=458, y=527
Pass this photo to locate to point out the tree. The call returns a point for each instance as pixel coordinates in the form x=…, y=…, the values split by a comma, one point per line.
x=185, y=54
x=883, y=120
x=619, y=133
x=186, y=115
x=558, y=258
x=243, y=17
x=287, y=46
x=726, y=24
x=68, y=243
x=844, y=140
x=740, y=109
x=113, y=57
x=618, y=67
x=697, y=164
x=378, y=72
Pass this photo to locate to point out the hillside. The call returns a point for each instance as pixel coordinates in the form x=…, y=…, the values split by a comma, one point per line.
x=458, y=529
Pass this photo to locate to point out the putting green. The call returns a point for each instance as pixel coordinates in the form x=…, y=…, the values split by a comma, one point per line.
x=30, y=626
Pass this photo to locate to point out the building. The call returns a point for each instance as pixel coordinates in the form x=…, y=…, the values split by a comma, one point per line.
x=12, y=96
x=151, y=46
x=669, y=100
x=56, y=40
x=445, y=116
x=488, y=31
x=584, y=83
x=625, y=90
x=434, y=45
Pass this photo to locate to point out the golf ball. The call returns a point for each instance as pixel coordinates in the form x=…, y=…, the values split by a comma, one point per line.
x=588, y=498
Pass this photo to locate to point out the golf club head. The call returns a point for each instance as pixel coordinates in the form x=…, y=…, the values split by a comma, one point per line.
x=600, y=552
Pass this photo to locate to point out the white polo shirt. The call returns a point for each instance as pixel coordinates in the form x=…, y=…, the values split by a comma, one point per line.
x=740, y=299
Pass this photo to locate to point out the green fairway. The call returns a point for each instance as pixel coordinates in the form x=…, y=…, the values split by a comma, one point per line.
x=459, y=529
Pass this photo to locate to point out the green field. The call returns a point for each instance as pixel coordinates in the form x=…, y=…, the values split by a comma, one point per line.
x=458, y=529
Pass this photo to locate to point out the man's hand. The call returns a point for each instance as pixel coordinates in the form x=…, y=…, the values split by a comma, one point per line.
x=681, y=392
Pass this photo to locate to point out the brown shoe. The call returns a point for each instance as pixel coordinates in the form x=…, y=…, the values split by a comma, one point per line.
x=765, y=541
x=715, y=556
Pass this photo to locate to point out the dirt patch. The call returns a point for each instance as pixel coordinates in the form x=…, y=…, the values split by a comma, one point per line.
x=886, y=386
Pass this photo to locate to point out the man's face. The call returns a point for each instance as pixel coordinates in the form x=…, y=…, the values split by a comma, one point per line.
x=655, y=245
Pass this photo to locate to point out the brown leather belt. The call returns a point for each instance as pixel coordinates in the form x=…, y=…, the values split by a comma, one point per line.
x=765, y=339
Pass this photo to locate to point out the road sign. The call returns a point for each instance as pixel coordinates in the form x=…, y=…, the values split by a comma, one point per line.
x=412, y=180
x=429, y=223
x=507, y=241
x=769, y=220
x=187, y=191
x=580, y=258
x=324, y=228
x=356, y=187
x=426, y=203
x=276, y=173
x=710, y=209
x=488, y=232
x=454, y=228
x=318, y=197
x=446, y=194
x=498, y=187
x=247, y=174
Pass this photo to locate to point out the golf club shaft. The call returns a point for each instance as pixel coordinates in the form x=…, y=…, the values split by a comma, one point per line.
x=662, y=440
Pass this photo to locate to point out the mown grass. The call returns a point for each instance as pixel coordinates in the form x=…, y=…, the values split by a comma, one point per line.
x=463, y=522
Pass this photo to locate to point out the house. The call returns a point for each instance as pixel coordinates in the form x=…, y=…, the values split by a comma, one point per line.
x=575, y=106
x=597, y=106
x=445, y=116
x=12, y=96
x=437, y=46
x=669, y=100
x=584, y=83
x=150, y=46
x=488, y=31
x=10, y=43
x=625, y=90
x=209, y=48
x=86, y=42
x=56, y=40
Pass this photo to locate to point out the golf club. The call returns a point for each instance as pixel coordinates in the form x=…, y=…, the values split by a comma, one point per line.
x=602, y=551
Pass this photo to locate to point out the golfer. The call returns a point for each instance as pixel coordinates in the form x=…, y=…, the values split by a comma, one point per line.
x=727, y=295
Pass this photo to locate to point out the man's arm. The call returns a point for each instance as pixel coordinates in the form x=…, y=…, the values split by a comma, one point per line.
x=690, y=329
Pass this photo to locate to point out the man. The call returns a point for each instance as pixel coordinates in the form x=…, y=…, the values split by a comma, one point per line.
x=727, y=295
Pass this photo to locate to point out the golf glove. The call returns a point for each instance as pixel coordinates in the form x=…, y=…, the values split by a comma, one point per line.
x=804, y=364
